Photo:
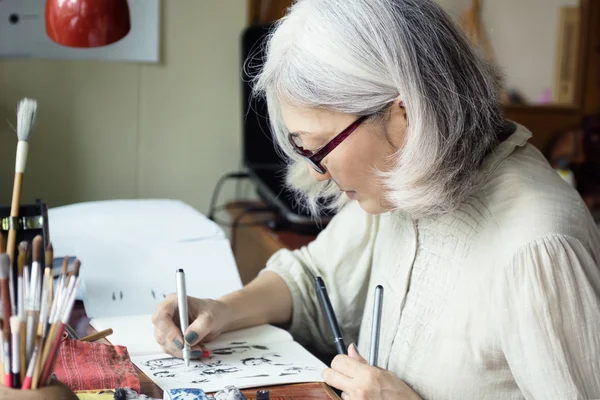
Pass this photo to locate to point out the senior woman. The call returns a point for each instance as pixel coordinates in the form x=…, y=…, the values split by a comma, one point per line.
x=489, y=260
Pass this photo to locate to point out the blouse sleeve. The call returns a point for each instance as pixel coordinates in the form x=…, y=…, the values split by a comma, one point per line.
x=550, y=320
x=341, y=255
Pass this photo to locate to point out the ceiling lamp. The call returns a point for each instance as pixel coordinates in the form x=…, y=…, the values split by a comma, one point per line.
x=87, y=23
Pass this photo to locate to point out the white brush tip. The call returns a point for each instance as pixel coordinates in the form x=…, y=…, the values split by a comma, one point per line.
x=15, y=324
x=26, y=118
x=4, y=266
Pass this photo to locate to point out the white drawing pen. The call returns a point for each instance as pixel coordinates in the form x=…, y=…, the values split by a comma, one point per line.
x=183, y=312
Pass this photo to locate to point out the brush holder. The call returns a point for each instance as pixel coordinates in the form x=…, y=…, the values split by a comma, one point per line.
x=32, y=221
x=56, y=390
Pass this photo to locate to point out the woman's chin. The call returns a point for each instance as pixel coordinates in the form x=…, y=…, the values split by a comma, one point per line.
x=371, y=206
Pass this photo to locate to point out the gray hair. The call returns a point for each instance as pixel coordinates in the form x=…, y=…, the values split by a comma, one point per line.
x=357, y=56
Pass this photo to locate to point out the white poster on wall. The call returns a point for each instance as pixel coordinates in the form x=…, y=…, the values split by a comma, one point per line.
x=23, y=34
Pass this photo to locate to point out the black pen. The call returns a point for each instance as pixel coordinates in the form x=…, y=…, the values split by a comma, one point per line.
x=330, y=314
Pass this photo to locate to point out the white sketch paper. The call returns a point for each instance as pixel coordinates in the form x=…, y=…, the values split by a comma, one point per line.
x=136, y=333
x=130, y=250
x=257, y=356
x=260, y=356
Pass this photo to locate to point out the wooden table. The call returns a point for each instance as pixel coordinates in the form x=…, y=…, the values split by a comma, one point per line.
x=306, y=391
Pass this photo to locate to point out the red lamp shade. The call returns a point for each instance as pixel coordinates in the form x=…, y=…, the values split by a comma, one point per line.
x=87, y=23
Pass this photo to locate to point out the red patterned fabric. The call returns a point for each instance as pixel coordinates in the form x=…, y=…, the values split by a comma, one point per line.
x=89, y=366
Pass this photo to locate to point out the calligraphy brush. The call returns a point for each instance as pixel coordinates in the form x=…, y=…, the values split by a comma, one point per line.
x=15, y=326
x=45, y=308
x=33, y=312
x=32, y=364
x=62, y=286
x=50, y=301
x=54, y=345
x=1, y=348
x=47, y=292
x=35, y=361
x=49, y=255
x=21, y=261
x=26, y=112
x=6, y=314
x=75, y=272
x=62, y=283
x=55, y=316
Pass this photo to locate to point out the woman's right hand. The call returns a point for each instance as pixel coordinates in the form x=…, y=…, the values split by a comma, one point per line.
x=207, y=319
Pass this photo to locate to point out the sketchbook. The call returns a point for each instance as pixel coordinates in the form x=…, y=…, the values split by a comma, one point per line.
x=128, y=260
x=259, y=356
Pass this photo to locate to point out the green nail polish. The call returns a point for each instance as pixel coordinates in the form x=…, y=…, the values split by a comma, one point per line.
x=191, y=337
x=196, y=354
x=178, y=344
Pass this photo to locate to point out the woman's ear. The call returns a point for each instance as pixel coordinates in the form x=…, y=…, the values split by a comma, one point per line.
x=399, y=103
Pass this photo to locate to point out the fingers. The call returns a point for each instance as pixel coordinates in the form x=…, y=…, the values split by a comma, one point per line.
x=199, y=352
x=354, y=354
x=348, y=366
x=200, y=327
x=337, y=380
x=165, y=315
x=174, y=348
x=166, y=332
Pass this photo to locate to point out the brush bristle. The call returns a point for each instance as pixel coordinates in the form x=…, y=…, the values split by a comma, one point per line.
x=4, y=266
x=15, y=324
x=49, y=255
x=26, y=118
x=37, y=248
x=76, y=266
x=65, y=266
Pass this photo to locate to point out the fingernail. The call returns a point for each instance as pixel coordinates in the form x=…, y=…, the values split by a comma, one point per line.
x=205, y=354
x=354, y=347
x=191, y=337
x=197, y=354
x=178, y=344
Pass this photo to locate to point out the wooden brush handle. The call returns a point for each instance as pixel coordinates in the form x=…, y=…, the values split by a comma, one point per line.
x=23, y=350
x=43, y=355
x=50, y=362
x=2, y=358
x=97, y=336
x=6, y=308
x=11, y=243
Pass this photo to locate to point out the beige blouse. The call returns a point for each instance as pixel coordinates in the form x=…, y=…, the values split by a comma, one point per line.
x=498, y=300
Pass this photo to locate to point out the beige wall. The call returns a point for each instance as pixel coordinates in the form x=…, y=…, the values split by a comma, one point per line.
x=109, y=130
x=523, y=34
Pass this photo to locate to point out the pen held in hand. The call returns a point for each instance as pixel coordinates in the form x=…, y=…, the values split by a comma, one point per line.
x=330, y=314
x=376, y=326
x=183, y=313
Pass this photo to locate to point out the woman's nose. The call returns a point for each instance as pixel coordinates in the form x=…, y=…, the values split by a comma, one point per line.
x=317, y=176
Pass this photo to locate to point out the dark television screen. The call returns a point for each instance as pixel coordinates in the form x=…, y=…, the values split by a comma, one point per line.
x=258, y=146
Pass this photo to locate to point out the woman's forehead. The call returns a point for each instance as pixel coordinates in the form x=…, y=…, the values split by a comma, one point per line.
x=304, y=120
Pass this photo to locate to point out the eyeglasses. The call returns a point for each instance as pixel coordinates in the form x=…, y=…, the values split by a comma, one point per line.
x=314, y=158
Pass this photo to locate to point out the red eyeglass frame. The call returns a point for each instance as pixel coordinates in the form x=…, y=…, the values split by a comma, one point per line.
x=314, y=158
